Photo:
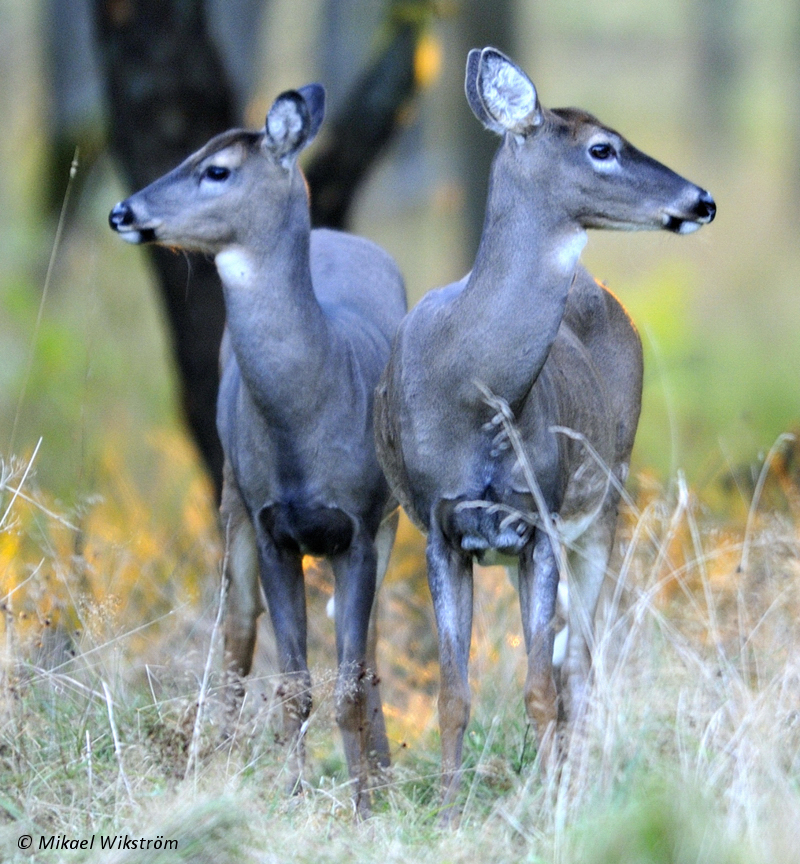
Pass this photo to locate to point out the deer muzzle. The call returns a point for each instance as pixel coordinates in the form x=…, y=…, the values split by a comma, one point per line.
x=123, y=220
x=701, y=212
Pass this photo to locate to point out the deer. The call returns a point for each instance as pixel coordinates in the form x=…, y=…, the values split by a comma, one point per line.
x=310, y=319
x=506, y=415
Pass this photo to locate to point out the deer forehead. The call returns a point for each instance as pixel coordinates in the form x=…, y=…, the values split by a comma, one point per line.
x=232, y=146
x=232, y=156
x=580, y=125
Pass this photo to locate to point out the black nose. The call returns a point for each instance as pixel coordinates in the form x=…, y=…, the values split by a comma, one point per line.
x=706, y=208
x=121, y=216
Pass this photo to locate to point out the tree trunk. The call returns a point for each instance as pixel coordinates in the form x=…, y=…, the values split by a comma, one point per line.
x=167, y=95
x=719, y=60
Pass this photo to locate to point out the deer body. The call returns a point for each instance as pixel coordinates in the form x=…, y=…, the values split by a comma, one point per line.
x=280, y=377
x=529, y=382
x=310, y=319
x=527, y=344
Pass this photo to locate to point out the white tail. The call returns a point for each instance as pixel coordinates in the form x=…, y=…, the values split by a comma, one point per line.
x=310, y=319
x=531, y=333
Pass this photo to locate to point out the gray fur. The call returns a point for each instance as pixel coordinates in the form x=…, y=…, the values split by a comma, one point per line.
x=531, y=326
x=310, y=319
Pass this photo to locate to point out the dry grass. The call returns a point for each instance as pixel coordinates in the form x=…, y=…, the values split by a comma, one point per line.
x=690, y=750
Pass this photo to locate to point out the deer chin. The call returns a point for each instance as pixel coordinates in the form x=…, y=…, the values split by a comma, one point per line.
x=143, y=235
x=137, y=236
x=133, y=237
x=678, y=225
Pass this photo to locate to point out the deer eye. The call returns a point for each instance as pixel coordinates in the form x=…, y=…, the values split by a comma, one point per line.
x=216, y=173
x=602, y=152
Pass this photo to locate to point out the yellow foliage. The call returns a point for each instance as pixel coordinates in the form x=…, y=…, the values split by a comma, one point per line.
x=122, y=560
x=427, y=60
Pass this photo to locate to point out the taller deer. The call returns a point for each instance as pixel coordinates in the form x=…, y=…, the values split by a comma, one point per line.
x=310, y=319
x=527, y=345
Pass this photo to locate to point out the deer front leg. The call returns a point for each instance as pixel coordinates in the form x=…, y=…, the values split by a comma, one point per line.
x=354, y=573
x=378, y=747
x=243, y=602
x=588, y=565
x=282, y=578
x=450, y=582
x=538, y=589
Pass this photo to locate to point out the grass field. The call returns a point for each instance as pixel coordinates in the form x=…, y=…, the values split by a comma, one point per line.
x=111, y=700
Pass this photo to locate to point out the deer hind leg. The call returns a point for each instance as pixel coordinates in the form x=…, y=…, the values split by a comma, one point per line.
x=538, y=590
x=284, y=588
x=355, y=576
x=588, y=563
x=378, y=747
x=243, y=602
x=450, y=582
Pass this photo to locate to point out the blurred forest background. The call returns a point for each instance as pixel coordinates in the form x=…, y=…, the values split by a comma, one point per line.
x=113, y=536
x=711, y=87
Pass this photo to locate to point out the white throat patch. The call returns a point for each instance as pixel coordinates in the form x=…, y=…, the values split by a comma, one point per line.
x=235, y=267
x=568, y=251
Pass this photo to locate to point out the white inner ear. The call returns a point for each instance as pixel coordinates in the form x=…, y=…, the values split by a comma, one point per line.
x=284, y=122
x=509, y=95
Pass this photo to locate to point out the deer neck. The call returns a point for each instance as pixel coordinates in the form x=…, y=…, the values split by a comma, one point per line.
x=514, y=300
x=277, y=328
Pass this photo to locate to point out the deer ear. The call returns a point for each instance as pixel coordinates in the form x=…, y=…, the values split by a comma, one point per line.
x=473, y=97
x=507, y=94
x=293, y=121
x=314, y=96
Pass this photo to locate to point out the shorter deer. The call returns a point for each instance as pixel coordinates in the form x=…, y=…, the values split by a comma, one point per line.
x=310, y=319
x=506, y=415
